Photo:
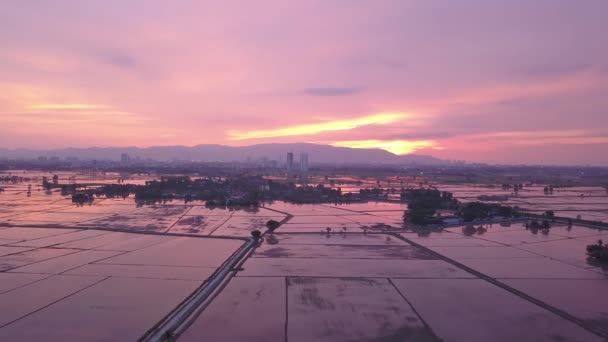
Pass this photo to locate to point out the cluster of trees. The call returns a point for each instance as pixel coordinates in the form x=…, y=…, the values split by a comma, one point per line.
x=548, y=190
x=598, y=252
x=470, y=230
x=66, y=189
x=116, y=190
x=217, y=190
x=14, y=179
x=472, y=211
x=373, y=192
x=424, y=203
x=544, y=224
x=81, y=199
x=222, y=191
x=309, y=194
x=535, y=226
x=244, y=190
x=48, y=185
x=515, y=187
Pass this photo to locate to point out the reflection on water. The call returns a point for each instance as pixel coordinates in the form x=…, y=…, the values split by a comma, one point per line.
x=271, y=239
x=597, y=264
x=471, y=230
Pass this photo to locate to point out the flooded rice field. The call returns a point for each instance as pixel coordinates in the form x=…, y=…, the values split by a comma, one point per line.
x=112, y=269
x=587, y=203
x=76, y=284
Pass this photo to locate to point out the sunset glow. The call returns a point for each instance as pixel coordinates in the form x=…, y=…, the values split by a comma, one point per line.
x=295, y=170
x=316, y=128
x=395, y=146
x=480, y=80
x=67, y=106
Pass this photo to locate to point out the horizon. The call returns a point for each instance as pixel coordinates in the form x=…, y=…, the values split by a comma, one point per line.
x=481, y=81
x=266, y=155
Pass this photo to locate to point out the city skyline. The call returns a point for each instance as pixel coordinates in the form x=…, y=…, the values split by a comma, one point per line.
x=481, y=81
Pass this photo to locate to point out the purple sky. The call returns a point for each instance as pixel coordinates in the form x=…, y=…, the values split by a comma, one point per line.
x=509, y=81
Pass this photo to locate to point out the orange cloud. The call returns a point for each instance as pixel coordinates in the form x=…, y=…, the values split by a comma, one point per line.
x=317, y=128
x=30, y=111
x=62, y=106
x=393, y=146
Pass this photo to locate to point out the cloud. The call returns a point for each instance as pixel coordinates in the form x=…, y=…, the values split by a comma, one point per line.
x=64, y=106
x=118, y=59
x=532, y=139
x=550, y=69
x=331, y=91
x=210, y=72
x=422, y=135
x=316, y=128
x=538, y=138
x=503, y=92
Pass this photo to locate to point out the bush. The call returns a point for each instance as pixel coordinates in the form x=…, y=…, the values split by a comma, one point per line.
x=272, y=225
x=256, y=234
x=424, y=203
x=469, y=230
x=480, y=211
x=598, y=251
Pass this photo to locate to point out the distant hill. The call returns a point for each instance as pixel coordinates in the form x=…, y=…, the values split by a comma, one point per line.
x=317, y=153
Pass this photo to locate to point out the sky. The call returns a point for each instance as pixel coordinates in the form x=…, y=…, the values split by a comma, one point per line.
x=511, y=81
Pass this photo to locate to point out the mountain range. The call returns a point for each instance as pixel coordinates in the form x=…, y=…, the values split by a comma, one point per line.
x=317, y=153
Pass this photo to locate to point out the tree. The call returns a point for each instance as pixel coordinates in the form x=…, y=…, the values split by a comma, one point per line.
x=419, y=214
x=424, y=203
x=599, y=251
x=272, y=225
x=478, y=210
x=45, y=184
x=469, y=230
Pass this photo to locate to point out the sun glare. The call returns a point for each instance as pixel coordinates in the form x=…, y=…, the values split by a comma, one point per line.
x=393, y=146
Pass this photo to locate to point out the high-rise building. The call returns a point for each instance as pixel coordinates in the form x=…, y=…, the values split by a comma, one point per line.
x=125, y=159
x=289, y=162
x=304, y=162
